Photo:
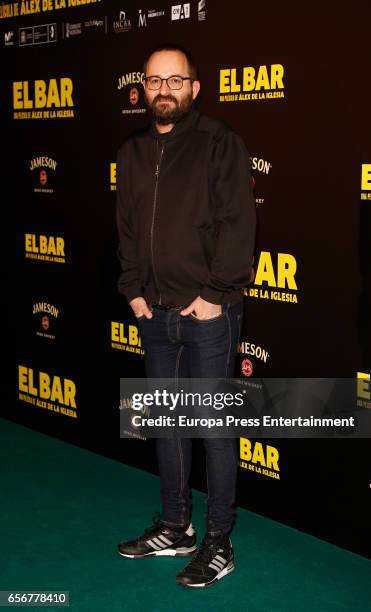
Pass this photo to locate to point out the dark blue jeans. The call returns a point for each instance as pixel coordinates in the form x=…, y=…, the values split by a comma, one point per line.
x=183, y=347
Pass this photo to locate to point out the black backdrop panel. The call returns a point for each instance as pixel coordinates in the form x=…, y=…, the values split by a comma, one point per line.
x=308, y=135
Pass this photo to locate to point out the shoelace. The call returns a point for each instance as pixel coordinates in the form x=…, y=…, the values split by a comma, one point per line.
x=204, y=554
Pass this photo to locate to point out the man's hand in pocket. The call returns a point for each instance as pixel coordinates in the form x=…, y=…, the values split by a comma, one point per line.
x=202, y=309
x=140, y=308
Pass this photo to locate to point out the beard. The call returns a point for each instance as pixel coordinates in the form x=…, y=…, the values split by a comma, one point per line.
x=164, y=113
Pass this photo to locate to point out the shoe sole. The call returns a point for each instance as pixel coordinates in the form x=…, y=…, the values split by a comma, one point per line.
x=227, y=570
x=167, y=552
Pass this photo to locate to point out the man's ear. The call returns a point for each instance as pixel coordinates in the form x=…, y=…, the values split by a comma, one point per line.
x=196, y=86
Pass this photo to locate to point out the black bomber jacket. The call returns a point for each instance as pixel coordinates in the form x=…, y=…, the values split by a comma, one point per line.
x=185, y=213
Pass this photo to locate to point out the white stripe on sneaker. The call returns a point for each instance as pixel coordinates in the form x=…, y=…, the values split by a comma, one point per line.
x=218, y=563
x=215, y=567
x=150, y=543
x=221, y=559
x=160, y=543
x=165, y=539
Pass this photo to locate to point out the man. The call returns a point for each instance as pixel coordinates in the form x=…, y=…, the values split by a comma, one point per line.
x=186, y=223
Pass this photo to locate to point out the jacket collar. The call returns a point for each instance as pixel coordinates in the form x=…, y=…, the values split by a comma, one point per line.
x=179, y=128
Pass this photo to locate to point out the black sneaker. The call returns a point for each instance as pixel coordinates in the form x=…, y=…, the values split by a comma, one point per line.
x=212, y=561
x=161, y=540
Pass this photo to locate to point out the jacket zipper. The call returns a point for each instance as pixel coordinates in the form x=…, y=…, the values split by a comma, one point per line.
x=157, y=173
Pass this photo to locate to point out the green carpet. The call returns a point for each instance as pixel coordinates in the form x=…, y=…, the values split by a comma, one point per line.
x=63, y=510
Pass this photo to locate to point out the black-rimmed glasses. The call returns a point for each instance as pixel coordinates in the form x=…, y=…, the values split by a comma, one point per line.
x=173, y=82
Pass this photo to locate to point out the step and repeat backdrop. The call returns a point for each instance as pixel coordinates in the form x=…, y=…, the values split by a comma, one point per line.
x=292, y=81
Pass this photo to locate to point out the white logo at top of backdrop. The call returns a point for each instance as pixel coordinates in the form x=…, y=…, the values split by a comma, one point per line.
x=123, y=24
x=72, y=29
x=201, y=10
x=38, y=35
x=180, y=11
x=9, y=38
x=142, y=19
x=155, y=13
x=149, y=14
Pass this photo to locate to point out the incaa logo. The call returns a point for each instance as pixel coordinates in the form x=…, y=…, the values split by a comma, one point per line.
x=279, y=274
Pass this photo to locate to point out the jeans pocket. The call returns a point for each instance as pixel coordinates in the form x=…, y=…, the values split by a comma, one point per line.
x=212, y=319
x=142, y=316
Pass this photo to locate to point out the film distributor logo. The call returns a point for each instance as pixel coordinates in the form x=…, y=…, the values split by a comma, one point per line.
x=366, y=182
x=125, y=337
x=275, y=278
x=44, y=390
x=44, y=248
x=41, y=99
x=260, y=458
x=251, y=84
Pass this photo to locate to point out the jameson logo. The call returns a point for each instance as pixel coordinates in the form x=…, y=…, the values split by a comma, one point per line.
x=43, y=162
x=45, y=314
x=254, y=350
x=130, y=78
x=43, y=179
x=130, y=86
x=261, y=165
x=45, y=307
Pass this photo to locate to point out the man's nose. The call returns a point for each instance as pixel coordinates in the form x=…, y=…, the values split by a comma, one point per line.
x=164, y=89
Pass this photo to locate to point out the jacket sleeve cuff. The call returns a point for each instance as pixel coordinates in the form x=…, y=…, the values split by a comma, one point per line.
x=133, y=292
x=212, y=295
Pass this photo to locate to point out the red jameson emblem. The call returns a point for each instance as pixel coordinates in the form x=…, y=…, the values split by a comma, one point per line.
x=246, y=367
x=134, y=96
x=45, y=322
x=43, y=177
